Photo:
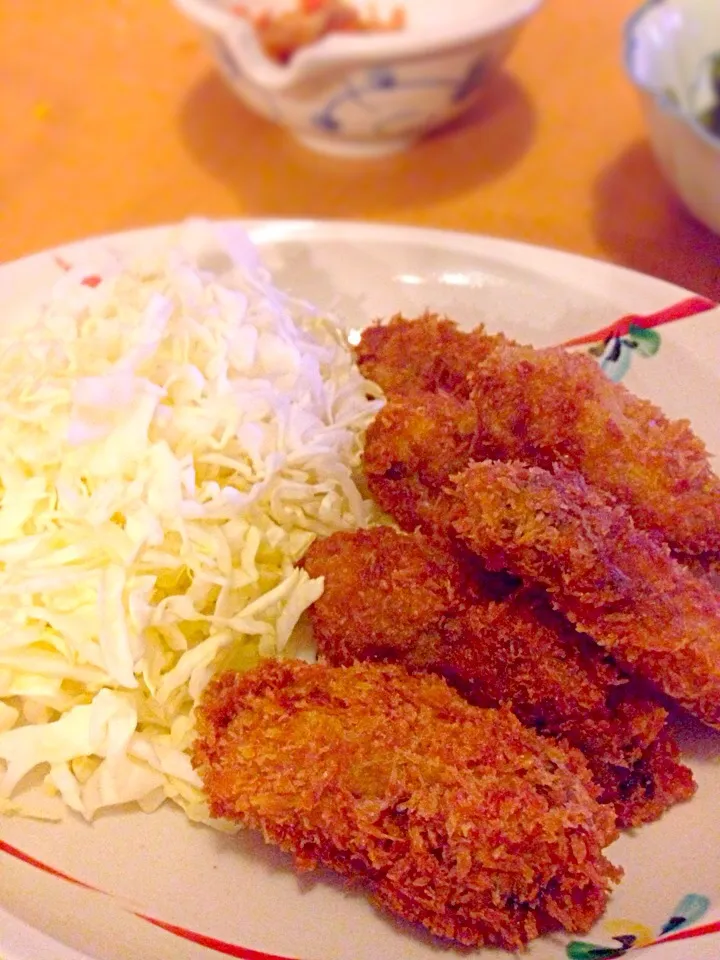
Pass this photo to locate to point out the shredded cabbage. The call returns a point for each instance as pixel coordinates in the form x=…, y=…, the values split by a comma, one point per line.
x=172, y=439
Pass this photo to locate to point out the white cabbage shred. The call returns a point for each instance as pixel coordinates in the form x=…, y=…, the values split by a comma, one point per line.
x=171, y=441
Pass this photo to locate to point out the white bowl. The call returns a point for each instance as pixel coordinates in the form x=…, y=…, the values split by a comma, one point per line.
x=669, y=45
x=366, y=94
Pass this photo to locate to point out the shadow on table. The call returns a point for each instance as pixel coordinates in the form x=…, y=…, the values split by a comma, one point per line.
x=642, y=224
x=273, y=175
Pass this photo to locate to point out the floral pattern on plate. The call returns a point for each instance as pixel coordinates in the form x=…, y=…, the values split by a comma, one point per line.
x=615, y=345
x=629, y=935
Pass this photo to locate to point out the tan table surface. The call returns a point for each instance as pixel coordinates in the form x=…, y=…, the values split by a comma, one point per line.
x=111, y=116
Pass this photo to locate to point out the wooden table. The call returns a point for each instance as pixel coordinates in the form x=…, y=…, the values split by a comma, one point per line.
x=112, y=116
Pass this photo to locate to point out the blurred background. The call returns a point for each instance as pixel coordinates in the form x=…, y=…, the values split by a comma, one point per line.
x=113, y=115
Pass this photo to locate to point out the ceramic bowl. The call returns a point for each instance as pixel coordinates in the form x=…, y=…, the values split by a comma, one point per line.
x=671, y=51
x=366, y=94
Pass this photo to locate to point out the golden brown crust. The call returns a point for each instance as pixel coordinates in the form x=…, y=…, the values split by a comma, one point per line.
x=617, y=583
x=412, y=448
x=398, y=597
x=643, y=792
x=429, y=353
x=540, y=406
x=457, y=818
x=385, y=596
x=550, y=406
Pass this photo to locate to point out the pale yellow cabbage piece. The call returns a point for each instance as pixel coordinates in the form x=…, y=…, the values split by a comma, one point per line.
x=171, y=441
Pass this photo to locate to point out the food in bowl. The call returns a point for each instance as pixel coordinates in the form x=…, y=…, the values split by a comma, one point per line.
x=281, y=35
x=671, y=57
x=371, y=92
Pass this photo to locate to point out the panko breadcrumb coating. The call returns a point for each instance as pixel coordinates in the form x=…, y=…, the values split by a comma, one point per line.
x=540, y=406
x=412, y=448
x=617, y=583
x=551, y=406
x=397, y=597
x=428, y=353
x=456, y=818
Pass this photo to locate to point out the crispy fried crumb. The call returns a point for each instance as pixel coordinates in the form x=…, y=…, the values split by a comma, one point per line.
x=429, y=353
x=540, y=406
x=550, y=406
x=617, y=583
x=457, y=818
x=398, y=597
x=412, y=449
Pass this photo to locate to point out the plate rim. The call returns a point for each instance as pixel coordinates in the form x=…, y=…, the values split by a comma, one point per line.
x=282, y=229
x=18, y=940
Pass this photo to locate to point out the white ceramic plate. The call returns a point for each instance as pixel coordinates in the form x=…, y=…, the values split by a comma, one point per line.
x=246, y=896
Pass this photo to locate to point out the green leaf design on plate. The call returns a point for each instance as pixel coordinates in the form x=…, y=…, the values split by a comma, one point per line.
x=579, y=950
x=646, y=342
x=691, y=908
x=616, y=363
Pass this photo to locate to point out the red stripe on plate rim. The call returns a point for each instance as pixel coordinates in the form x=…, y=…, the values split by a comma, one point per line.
x=246, y=953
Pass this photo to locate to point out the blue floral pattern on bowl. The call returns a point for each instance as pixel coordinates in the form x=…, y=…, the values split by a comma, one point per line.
x=372, y=94
x=379, y=95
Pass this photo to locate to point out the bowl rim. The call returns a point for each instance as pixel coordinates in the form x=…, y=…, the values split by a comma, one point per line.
x=659, y=95
x=336, y=49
